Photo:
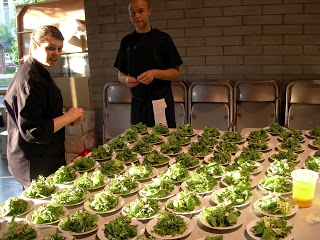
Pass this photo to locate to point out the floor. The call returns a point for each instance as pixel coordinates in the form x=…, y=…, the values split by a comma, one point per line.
x=9, y=187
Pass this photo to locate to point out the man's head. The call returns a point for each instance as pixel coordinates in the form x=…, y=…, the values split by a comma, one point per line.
x=140, y=11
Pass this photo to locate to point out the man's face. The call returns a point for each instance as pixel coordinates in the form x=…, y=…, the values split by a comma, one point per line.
x=139, y=13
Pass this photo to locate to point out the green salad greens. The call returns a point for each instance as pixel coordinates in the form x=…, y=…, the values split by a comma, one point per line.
x=275, y=204
x=185, y=201
x=291, y=144
x=155, y=158
x=275, y=128
x=211, y=132
x=209, y=141
x=258, y=135
x=221, y=215
x=13, y=206
x=313, y=163
x=152, y=138
x=47, y=214
x=290, y=156
x=222, y=158
x=80, y=222
x=120, y=228
x=54, y=236
x=19, y=230
x=177, y=138
x=100, y=152
x=139, y=127
x=116, y=143
x=127, y=156
x=281, y=167
x=103, y=201
x=250, y=154
x=227, y=147
x=276, y=183
x=141, y=208
x=170, y=147
x=141, y=147
x=315, y=132
x=83, y=163
x=187, y=160
x=159, y=188
x=271, y=228
x=185, y=130
x=91, y=180
x=122, y=184
x=130, y=135
x=294, y=134
x=64, y=174
x=40, y=188
x=236, y=176
x=114, y=166
x=140, y=172
x=69, y=196
x=235, y=195
x=161, y=129
x=232, y=137
x=201, y=182
x=213, y=168
x=169, y=224
x=258, y=145
x=220, y=237
x=199, y=149
x=176, y=172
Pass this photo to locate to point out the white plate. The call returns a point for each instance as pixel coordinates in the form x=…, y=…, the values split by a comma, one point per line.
x=153, y=222
x=184, y=187
x=293, y=211
x=204, y=203
x=125, y=194
x=173, y=192
x=240, y=221
x=99, y=223
x=87, y=207
x=214, y=198
x=253, y=223
x=42, y=198
x=314, y=146
x=29, y=216
x=140, y=229
x=30, y=206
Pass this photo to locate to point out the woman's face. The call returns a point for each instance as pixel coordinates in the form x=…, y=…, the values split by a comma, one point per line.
x=49, y=52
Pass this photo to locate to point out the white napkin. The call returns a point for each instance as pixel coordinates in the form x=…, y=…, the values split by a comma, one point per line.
x=159, y=107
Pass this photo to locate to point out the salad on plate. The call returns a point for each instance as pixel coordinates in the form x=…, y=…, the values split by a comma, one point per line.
x=281, y=167
x=142, y=172
x=200, y=183
x=112, y=167
x=15, y=206
x=274, y=204
x=213, y=168
x=160, y=188
x=91, y=181
x=142, y=208
x=70, y=196
x=176, y=172
x=155, y=159
x=221, y=217
x=123, y=185
x=270, y=228
x=127, y=156
x=276, y=183
x=40, y=189
x=46, y=214
x=103, y=202
x=187, y=160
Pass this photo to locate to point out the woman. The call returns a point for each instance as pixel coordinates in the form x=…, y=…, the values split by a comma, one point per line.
x=35, y=120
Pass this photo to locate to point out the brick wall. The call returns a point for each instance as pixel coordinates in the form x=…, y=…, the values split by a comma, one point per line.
x=217, y=39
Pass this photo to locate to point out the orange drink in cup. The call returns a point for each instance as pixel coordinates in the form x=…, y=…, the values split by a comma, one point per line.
x=304, y=183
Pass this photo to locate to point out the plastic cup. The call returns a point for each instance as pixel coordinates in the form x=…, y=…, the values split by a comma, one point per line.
x=304, y=184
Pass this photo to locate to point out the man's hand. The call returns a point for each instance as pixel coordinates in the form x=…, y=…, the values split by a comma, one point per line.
x=147, y=76
x=131, y=81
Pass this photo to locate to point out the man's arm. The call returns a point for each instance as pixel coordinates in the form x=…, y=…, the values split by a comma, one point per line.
x=167, y=74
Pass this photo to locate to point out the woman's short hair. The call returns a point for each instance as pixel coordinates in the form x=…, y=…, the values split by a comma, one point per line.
x=39, y=35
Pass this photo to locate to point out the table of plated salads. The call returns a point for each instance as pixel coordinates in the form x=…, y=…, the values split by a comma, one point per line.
x=302, y=229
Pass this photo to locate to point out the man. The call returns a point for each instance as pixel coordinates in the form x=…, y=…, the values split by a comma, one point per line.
x=147, y=61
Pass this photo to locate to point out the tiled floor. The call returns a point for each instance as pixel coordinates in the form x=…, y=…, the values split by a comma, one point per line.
x=9, y=187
